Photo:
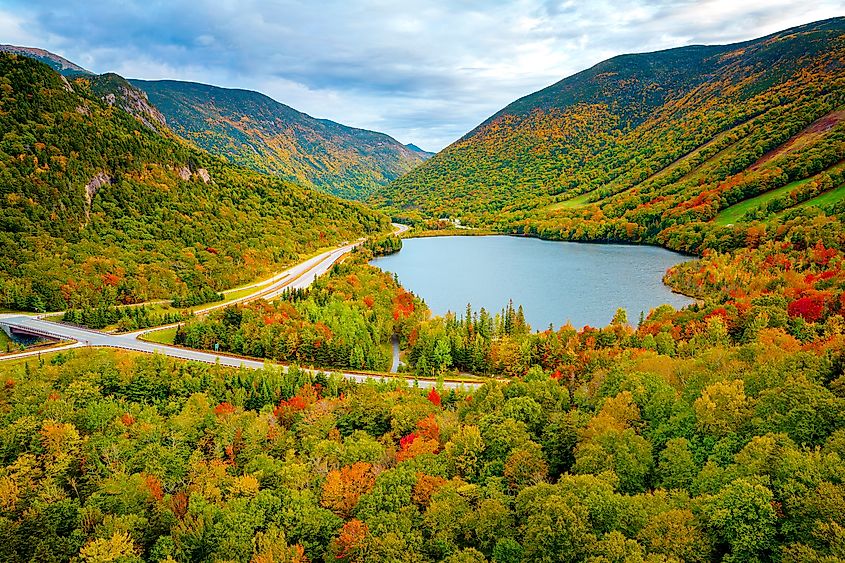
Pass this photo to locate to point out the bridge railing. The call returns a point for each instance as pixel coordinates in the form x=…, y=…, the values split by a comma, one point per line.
x=33, y=331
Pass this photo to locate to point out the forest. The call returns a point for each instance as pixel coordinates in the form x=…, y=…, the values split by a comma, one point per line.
x=344, y=320
x=707, y=434
x=736, y=454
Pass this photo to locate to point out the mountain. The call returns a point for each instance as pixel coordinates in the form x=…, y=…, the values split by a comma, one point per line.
x=110, y=87
x=57, y=63
x=423, y=153
x=102, y=206
x=654, y=147
x=255, y=131
x=116, y=90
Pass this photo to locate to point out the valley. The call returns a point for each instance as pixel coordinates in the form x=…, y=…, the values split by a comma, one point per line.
x=605, y=324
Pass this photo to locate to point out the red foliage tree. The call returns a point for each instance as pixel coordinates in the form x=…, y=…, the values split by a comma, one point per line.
x=808, y=308
x=434, y=397
x=223, y=409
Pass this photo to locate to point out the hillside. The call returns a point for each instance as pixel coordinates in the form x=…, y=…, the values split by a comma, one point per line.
x=652, y=147
x=100, y=207
x=255, y=131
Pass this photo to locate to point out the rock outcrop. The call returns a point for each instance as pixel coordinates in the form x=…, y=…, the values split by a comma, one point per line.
x=91, y=188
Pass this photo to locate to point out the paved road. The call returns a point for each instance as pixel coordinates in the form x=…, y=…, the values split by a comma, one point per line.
x=394, y=344
x=129, y=342
x=299, y=276
x=400, y=228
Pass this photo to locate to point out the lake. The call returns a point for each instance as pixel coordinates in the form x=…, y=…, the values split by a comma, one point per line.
x=555, y=282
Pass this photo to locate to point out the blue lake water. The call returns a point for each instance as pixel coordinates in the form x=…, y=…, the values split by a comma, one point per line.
x=555, y=282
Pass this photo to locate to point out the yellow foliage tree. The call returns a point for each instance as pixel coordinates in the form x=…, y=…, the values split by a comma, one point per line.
x=118, y=547
x=722, y=407
x=345, y=486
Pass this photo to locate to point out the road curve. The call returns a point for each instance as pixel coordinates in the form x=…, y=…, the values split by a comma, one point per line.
x=400, y=228
x=300, y=276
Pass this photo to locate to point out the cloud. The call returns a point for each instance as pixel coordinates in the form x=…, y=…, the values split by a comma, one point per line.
x=423, y=71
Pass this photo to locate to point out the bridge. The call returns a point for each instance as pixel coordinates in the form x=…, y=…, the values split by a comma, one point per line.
x=14, y=329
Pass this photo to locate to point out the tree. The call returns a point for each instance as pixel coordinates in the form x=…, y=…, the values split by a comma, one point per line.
x=490, y=522
x=620, y=317
x=351, y=544
x=676, y=533
x=434, y=397
x=743, y=517
x=557, y=532
x=441, y=357
x=307, y=524
x=468, y=555
x=119, y=547
x=507, y=550
x=559, y=439
x=464, y=451
x=677, y=468
x=624, y=452
x=344, y=487
x=526, y=410
x=525, y=466
x=722, y=407
x=616, y=548
x=271, y=547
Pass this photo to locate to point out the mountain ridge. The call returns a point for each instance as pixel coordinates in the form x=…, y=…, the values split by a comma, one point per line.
x=320, y=153
x=54, y=61
x=415, y=148
x=254, y=130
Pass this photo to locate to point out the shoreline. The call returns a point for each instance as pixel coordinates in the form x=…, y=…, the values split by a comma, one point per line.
x=471, y=232
x=480, y=232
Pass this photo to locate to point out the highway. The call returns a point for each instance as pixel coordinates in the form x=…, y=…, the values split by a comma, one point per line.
x=300, y=276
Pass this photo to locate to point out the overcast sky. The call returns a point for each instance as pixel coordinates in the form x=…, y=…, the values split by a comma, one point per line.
x=423, y=71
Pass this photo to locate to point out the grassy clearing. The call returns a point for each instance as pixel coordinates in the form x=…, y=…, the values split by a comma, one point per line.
x=233, y=294
x=572, y=203
x=825, y=200
x=8, y=367
x=734, y=213
x=5, y=311
x=43, y=347
x=163, y=336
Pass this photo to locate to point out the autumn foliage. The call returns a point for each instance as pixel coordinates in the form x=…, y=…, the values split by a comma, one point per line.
x=344, y=486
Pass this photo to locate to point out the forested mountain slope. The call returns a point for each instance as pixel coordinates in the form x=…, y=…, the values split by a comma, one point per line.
x=255, y=131
x=652, y=147
x=100, y=207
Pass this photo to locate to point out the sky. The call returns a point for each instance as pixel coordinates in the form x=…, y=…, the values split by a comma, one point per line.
x=423, y=71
